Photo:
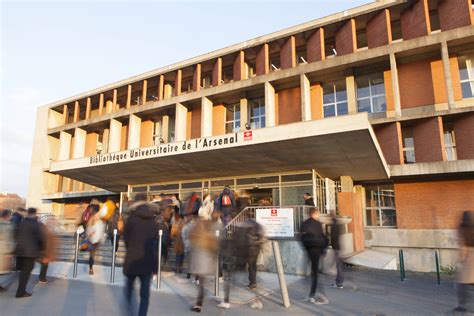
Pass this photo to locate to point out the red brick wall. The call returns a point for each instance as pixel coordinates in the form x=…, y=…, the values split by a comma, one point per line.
x=197, y=78
x=196, y=123
x=288, y=53
x=433, y=205
x=346, y=38
x=379, y=31
x=262, y=62
x=217, y=72
x=238, y=70
x=415, y=81
x=415, y=20
x=389, y=138
x=428, y=139
x=464, y=136
x=454, y=14
x=289, y=105
x=315, y=46
x=349, y=204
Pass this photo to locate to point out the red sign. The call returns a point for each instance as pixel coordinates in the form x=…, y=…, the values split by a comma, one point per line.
x=248, y=135
x=274, y=212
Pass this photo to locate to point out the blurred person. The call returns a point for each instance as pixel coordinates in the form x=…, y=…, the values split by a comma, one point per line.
x=315, y=243
x=50, y=228
x=193, y=205
x=178, y=243
x=6, y=248
x=207, y=207
x=163, y=221
x=204, y=247
x=335, y=238
x=308, y=199
x=95, y=233
x=188, y=224
x=113, y=223
x=226, y=204
x=17, y=217
x=140, y=236
x=30, y=245
x=465, y=278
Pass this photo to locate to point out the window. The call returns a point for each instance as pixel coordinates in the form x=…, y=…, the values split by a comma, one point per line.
x=257, y=113
x=335, y=98
x=466, y=72
x=232, y=122
x=450, y=143
x=371, y=93
x=408, y=145
x=380, y=208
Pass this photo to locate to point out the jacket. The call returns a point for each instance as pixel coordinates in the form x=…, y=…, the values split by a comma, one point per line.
x=30, y=239
x=309, y=202
x=312, y=235
x=141, y=241
x=335, y=234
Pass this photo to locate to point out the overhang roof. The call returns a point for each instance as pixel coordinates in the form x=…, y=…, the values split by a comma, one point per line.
x=334, y=147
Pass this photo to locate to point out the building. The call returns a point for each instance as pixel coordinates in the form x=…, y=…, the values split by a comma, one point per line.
x=11, y=201
x=372, y=107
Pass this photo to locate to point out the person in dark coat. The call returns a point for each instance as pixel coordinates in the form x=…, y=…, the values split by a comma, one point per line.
x=141, y=240
x=335, y=235
x=315, y=243
x=226, y=204
x=308, y=199
x=30, y=245
x=112, y=224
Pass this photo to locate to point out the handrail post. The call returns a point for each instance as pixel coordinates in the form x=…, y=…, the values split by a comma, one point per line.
x=216, y=286
x=76, y=255
x=402, y=265
x=437, y=267
x=112, y=267
x=158, y=276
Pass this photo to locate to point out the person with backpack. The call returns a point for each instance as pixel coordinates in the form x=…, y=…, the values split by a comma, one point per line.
x=95, y=233
x=226, y=204
x=315, y=243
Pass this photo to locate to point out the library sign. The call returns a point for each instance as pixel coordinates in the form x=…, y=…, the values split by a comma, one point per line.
x=198, y=144
x=277, y=222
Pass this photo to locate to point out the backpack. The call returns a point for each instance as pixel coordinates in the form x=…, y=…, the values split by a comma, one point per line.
x=226, y=201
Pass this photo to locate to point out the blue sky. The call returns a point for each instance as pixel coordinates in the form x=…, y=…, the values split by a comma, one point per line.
x=53, y=50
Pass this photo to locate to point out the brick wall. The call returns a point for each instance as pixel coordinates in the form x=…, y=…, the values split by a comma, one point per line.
x=433, y=205
x=218, y=120
x=455, y=77
x=316, y=95
x=415, y=20
x=288, y=53
x=238, y=70
x=124, y=138
x=196, y=123
x=428, y=139
x=349, y=204
x=379, y=31
x=289, y=105
x=262, y=62
x=315, y=46
x=454, y=14
x=387, y=78
x=416, y=84
x=91, y=144
x=390, y=140
x=197, y=78
x=146, y=134
x=346, y=38
x=217, y=72
x=464, y=135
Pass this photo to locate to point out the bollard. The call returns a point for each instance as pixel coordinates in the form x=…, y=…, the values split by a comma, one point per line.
x=158, y=276
x=281, y=274
x=112, y=267
x=402, y=265
x=76, y=255
x=437, y=267
x=216, y=286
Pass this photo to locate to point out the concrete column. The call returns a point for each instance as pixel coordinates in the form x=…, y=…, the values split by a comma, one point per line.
x=347, y=185
x=161, y=84
x=270, y=118
x=177, y=83
x=105, y=140
x=76, y=111
x=217, y=72
x=447, y=74
x=305, y=98
x=109, y=107
x=80, y=137
x=206, y=117
x=180, y=122
x=351, y=95
x=134, y=127
x=88, y=108
x=115, y=135
x=65, y=114
x=64, y=145
x=244, y=113
x=144, y=91
x=167, y=91
x=129, y=96
x=395, y=86
x=197, y=78
x=165, y=123
x=55, y=118
x=101, y=104
x=114, y=101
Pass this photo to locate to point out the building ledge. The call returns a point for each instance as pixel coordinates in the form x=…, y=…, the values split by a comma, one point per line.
x=75, y=194
x=433, y=168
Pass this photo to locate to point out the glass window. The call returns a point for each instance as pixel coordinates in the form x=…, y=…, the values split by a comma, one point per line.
x=408, y=145
x=257, y=113
x=232, y=123
x=380, y=206
x=371, y=93
x=466, y=72
x=335, y=98
x=450, y=143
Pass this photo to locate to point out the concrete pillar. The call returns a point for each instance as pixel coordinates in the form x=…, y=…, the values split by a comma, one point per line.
x=55, y=118
x=239, y=67
x=217, y=72
x=167, y=91
x=101, y=104
x=144, y=91
x=447, y=74
x=395, y=86
x=244, y=113
x=64, y=145
x=262, y=60
x=305, y=98
x=109, y=107
x=129, y=96
x=80, y=137
x=114, y=100
x=161, y=84
x=177, y=82
x=88, y=108
x=76, y=111
x=270, y=118
x=206, y=117
x=180, y=122
x=347, y=185
x=115, y=135
x=134, y=126
x=105, y=140
x=197, y=78
x=351, y=95
x=315, y=48
x=288, y=53
x=165, y=123
x=65, y=114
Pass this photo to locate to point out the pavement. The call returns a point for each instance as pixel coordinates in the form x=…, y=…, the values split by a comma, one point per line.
x=365, y=292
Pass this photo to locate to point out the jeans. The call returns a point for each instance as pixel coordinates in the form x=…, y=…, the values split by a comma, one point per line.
x=179, y=263
x=314, y=255
x=339, y=275
x=252, y=262
x=200, y=297
x=26, y=265
x=43, y=271
x=144, y=292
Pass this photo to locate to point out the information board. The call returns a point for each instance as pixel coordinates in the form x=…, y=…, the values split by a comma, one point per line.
x=277, y=222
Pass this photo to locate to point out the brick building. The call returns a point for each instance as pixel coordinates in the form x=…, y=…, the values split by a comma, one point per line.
x=376, y=103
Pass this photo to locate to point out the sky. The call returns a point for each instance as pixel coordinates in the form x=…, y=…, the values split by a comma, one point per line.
x=57, y=49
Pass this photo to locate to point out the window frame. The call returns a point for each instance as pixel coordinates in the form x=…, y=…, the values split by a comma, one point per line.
x=234, y=120
x=406, y=149
x=380, y=208
x=469, y=61
x=371, y=96
x=261, y=118
x=336, y=101
x=451, y=146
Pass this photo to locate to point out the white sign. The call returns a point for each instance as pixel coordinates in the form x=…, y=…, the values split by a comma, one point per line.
x=277, y=222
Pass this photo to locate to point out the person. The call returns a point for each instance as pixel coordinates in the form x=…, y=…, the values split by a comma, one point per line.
x=308, y=199
x=6, y=247
x=189, y=223
x=207, y=207
x=193, y=205
x=95, y=233
x=335, y=236
x=315, y=243
x=204, y=247
x=178, y=243
x=30, y=245
x=141, y=241
x=17, y=217
x=226, y=204
x=465, y=278
x=49, y=254
x=112, y=224
x=163, y=223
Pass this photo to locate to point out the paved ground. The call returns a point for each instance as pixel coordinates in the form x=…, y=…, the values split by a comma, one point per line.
x=367, y=292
